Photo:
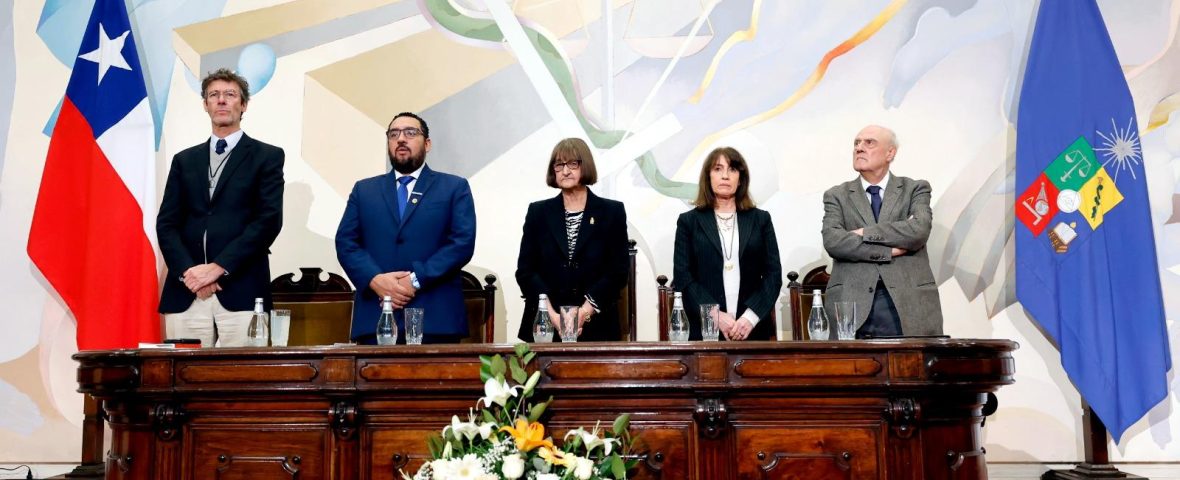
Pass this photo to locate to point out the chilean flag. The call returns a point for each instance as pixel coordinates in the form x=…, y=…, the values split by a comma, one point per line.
x=90, y=235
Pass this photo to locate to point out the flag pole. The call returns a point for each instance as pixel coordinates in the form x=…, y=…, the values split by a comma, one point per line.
x=1097, y=457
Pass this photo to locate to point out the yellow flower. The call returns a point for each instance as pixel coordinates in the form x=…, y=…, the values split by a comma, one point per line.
x=557, y=457
x=528, y=435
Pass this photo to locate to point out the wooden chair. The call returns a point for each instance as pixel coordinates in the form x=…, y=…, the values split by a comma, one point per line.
x=480, y=300
x=626, y=307
x=663, y=305
x=801, y=296
x=321, y=310
x=664, y=308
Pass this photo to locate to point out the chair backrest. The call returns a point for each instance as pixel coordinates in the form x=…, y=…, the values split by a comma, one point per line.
x=626, y=307
x=801, y=297
x=664, y=308
x=663, y=305
x=321, y=310
x=480, y=300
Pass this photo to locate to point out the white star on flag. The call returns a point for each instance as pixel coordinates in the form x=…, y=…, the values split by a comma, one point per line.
x=108, y=54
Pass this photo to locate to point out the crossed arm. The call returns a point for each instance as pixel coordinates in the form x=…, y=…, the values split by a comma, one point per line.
x=881, y=242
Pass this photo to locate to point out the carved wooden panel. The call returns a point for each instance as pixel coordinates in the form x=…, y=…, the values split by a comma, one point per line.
x=615, y=369
x=248, y=373
x=395, y=448
x=664, y=452
x=807, y=367
x=249, y=452
x=833, y=452
x=420, y=371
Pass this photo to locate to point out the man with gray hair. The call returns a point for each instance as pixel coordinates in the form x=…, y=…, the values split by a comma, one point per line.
x=875, y=229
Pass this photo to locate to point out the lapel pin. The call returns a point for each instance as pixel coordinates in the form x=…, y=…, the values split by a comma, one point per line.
x=592, y=220
x=414, y=200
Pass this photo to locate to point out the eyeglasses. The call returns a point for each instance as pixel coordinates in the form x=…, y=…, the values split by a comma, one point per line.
x=227, y=94
x=572, y=164
x=410, y=133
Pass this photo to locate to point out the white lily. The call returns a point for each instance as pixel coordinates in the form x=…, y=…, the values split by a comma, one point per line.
x=497, y=392
x=548, y=476
x=486, y=429
x=459, y=429
x=591, y=439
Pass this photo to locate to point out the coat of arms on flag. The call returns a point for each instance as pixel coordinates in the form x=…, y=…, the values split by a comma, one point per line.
x=1076, y=189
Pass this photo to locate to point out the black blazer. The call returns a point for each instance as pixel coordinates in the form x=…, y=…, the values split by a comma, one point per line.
x=598, y=268
x=242, y=220
x=698, y=261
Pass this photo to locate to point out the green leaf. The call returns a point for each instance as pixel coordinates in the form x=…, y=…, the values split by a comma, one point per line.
x=521, y=349
x=622, y=423
x=518, y=374
x=528, y=358
x=539, y=409
x=485, y=368
x=616, y=467
x=498, y=367
x=434, y=443
x=488, y=417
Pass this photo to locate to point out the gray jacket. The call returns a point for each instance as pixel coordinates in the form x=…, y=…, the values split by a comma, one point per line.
x=857, y=261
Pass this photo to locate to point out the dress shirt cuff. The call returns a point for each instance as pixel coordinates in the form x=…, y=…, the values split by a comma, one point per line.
x=414, y=281
x=593, y=304
x=751, y=316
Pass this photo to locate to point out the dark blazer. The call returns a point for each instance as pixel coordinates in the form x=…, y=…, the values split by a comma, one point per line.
x=241, y=221
x=698, y=261
x=858, y=261
x=434, y=240
x=598, y=268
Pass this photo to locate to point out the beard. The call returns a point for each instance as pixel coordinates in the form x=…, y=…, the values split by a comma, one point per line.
x=411, y=163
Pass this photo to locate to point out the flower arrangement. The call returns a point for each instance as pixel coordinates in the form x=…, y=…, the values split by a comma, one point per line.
x=505, y=440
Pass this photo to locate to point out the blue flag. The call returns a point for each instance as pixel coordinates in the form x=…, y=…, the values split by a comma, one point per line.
x=1086, y=269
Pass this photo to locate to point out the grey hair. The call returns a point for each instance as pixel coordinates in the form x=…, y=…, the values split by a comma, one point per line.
x=892, y=136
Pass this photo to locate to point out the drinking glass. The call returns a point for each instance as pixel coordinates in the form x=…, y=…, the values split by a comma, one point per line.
x=709, y=329
x=568, y=329
x=413, y=321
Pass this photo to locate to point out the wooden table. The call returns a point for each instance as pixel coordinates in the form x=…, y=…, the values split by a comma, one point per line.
x=896, y=409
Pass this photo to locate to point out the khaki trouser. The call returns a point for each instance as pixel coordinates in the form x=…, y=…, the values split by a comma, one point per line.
x=209, y=321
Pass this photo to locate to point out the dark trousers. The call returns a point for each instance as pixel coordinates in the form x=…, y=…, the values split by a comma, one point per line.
x=371, y=339
x=883, y=320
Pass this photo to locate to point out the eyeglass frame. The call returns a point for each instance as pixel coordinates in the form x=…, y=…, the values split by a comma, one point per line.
x=227, y=94
x=573, y=165
x=410, y=133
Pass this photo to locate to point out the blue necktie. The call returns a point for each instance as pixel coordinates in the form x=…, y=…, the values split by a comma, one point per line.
x=403, y=194
x=221, y=144
x=875, y=199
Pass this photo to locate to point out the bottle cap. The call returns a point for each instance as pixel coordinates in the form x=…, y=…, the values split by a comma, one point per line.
x=388, y=298
x=816, y=292
x=544, y=297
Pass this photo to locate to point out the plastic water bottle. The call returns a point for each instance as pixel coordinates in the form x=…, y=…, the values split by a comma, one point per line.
x=678, y=322
x=386, y=327
x=817, y=322
x=257, y=334
x=542, y=326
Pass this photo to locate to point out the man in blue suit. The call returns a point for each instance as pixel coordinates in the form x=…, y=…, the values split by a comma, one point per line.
x=407, y=234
